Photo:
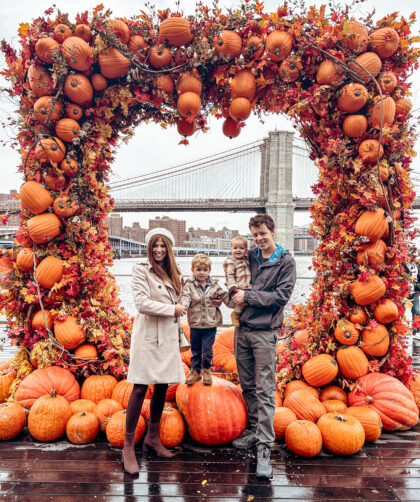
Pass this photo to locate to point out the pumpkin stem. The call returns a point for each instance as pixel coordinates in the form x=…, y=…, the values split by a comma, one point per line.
x=82, y=414
x=340, y=418
x=53, y=393
x=369, y=399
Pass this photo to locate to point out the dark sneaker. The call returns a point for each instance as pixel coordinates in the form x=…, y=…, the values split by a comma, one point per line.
x=246, y=440
x=207, y=379
x=264, y=468
x=193, y=377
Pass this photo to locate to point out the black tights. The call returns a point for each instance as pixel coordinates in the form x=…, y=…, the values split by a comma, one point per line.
x=135, y=404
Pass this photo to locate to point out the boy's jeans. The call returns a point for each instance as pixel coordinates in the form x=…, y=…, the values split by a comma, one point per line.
x=202, y=341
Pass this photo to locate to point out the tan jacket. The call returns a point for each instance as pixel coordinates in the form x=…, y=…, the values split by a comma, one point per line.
x=202, y=314
x=154, y=351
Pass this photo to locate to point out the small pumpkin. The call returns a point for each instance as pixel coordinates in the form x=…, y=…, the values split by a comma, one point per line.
x=387, y=82
x=137, y=44
x=104, y=410
x=333, y=392
x=77, y=53
x=38, y=319
x=67, y=129
x=25, y=259
x=50, y=149
x=355, y=126
x=320, y=370
x=382, y=108
x=69, y=166
x=47, y=49
x=87, y=352
x=46, y=109
x=78, y=88
x=279, y=45
x=34, y=197
x=74, y=111
x=189, y=104
x=329, y=73
x=176, y=30
x=385, y=42
x=352, y=98
x=372, y=224
x=82, y=427
x=53, y=180
x=40, y=81
x=370, y=420
x=231, y=128
x=12, y=420
x=99, y=83
x=289, y=70
x=122, y=392
x=98, y=387
x=370, y=150
x=70, y=334
x=375, y=340
x=304, y=405
x=367, y=291
x=165, y=84
x=228, y=43
x=342, y=434
x=121, y=30
x=254, y=48
x=355, y=36
x=188, y=82
x=282, y=418
x=385, y=311
x=372, y=254
x=352, y=362
x=303, y=438
x=115, y=429
x=7, y=377
x=334, y=406
x=358, y=315
x=240, y=109
x=64, y=207
x=82, y=405
x=48, y=417
x=83, y=31
x=171, y=427
x=402, y=107
x=366, y=66
x=243, y=85
x=185, y=128
x=61, y=32
x=160, y=56
x=346, y=332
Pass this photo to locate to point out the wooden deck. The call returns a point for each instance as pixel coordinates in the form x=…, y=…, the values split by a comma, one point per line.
x=386, y=470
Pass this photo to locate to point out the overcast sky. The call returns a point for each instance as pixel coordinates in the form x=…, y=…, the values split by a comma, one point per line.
x=152, y=147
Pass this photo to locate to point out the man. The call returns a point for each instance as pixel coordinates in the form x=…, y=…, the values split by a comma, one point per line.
x=273, y=276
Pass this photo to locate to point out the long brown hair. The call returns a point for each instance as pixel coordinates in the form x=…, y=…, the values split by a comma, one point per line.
x=169, y=270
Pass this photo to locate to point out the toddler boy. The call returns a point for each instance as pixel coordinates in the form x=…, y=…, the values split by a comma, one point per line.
x=200, y=294
x=237, y=271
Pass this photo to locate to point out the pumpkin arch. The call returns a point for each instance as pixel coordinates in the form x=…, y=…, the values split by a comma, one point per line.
x=334, y=75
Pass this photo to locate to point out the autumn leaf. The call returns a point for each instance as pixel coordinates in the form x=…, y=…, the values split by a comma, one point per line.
x=23, y=29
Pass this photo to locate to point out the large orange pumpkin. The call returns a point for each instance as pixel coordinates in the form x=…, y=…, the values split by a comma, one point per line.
x=385, y=42
x=171, y=427
x=304, y=405
x=375, y=341
x=176, y=30
x=115, y=429
x=279, y=45
x=320, y=370
x=122, y=392
x=385, y=311
x=48, y=417
x=355, y=126
x=82, y=427
x=77, y=53
x=366, y=66
x=367, y=291
x=104, y=410
x=113, y=64
x=372, y=224
x=228, y=43
x=47, y=49
x=243, y=85
x=295, y=385
x=240, y=109
x=34, y=197
x=98, y=387
x=223, y=350
x=69, y=334
x=42, y=381
x=390, y=398
x=215, y=414
x=352, y=362
x=44, y=227
x=341, y=434
x=372, y=254
x=355, y=36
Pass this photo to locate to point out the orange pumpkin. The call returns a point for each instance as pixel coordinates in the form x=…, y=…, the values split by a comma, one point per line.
x=67, y=129
x=390, y=398
x=7, y=377
x=352, y=98
x=370, y=420
x=333, y=392
x=223, y=351
x=45, y=109
x=375, y=340
x=240, y=109
x=382, y=107
x=171, y=427
x=77, y=53
x=352, y=362
x=185, y=128
x=329, y=73
x=303, y=438
x=372, y=224
x=53, y=180
x=70, y=334
x=69, y=166
x=12, y=420
x=355, y=36
x=372, y=254
x=367, y=291
x=355, y=126
x=387, y=82
x=181, y=56
x=82, y=427
x=301, y=337
x=40, y=81
x=48, y=417
x=402, y=107
x=25, y=259
x=83, y=31
x=188, y=82
x=304, y=405
x=50, y=150
x=104, y=410
x=113, y=64
x=99, y=82
x=413, y=385
x=74, y=111
x=115, y=429
x=358, y=315
x=61, y=32
x=243, y=85
x=121, y=30
x=228, y=43
x=87, y=352
x=137, y=44
x=160, y=56
x=98, y=387
x=189, y=104
x=64, y=207
x=254, y=48
x=282, y=418
x=42, y=381
x=176, y=30
x=122, y=392
x=385, y=311
x=366, y=66
x=278, y=45
x=34, y=197
x=82, y=405
x=78, y=88
x=295, y=385
x=346, y=332
x=342, y=434
x=369, y=149
x=334, y=406
x=49, y=271
x=47, y=49
x=320, y=370
x=165, y=84
x=44, y=227
x=289, y=71
x=231, y=128
x=385, y=42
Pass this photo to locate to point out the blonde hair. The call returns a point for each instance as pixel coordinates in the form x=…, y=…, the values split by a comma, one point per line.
x=201, y=259
x=239, y=238
x=169, y=270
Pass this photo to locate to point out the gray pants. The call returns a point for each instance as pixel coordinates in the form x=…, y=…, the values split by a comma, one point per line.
x=255, y=353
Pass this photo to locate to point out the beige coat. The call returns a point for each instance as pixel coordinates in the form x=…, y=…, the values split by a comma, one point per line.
x=154, y=351
x=202, y=314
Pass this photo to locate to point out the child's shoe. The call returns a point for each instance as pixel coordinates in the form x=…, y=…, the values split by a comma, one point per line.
x=235, y=318
x=207, y=379
x=193, y=377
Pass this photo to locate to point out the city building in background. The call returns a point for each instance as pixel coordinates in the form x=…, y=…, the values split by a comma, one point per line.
x=176, y=227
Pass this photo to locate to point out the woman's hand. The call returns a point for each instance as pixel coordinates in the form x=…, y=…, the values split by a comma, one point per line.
x=180, y=310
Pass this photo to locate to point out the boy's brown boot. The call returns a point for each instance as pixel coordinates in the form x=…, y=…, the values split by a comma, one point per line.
x=207, y=379
x=193, y=377
x=235, y=318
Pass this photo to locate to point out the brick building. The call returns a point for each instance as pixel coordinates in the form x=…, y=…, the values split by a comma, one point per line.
x=176, y=227
x=115, y=224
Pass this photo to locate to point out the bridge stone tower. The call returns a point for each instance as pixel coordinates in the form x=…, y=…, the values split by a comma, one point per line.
x=276, y=184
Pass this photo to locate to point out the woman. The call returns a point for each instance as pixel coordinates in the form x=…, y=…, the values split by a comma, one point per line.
x=154, y=354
